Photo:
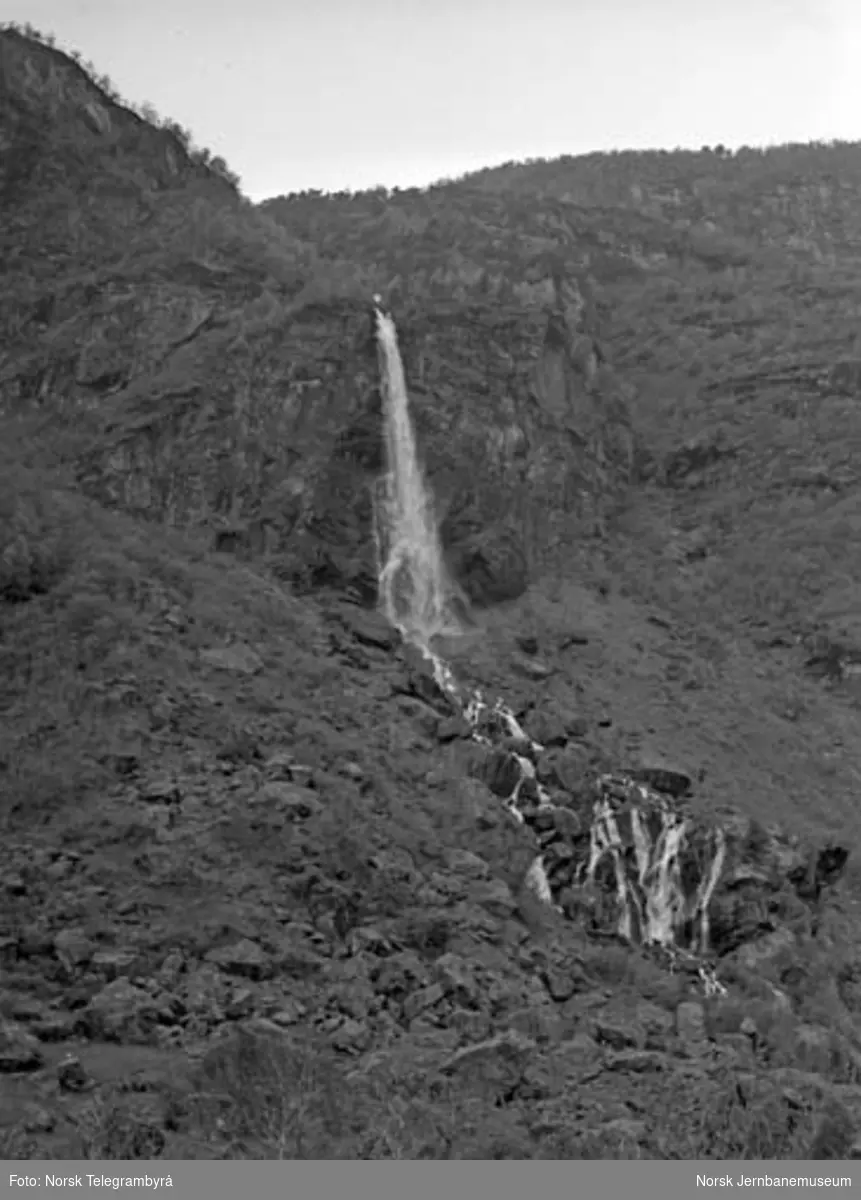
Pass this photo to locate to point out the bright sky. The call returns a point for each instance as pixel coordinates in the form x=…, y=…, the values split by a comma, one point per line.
x=327, y=94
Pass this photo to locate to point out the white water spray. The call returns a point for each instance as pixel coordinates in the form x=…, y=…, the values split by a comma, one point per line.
x=416, y=595
x=415, y=589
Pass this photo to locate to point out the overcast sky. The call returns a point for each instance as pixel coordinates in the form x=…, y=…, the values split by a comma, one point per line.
x=328, y=94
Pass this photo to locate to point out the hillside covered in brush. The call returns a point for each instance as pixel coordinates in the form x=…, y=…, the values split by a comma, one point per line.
x=260, y=895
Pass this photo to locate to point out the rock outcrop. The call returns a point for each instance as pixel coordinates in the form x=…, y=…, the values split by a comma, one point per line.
x=282, y=429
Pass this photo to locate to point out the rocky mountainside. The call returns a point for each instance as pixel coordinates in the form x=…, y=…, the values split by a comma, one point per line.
x=269, y=889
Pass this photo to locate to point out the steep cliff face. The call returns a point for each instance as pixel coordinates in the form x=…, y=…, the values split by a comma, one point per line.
x=271, y=435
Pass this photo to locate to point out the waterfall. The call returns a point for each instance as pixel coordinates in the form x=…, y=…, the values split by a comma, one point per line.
x=415, y=590
x=639, y=848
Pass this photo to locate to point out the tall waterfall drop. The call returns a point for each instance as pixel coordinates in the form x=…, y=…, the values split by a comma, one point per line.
x=415, y=590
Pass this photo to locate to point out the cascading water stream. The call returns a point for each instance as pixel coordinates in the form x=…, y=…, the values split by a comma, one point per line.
x=415, y=589
x=633, y=831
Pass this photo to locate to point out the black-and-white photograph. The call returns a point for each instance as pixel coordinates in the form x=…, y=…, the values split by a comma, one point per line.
x=430, y=593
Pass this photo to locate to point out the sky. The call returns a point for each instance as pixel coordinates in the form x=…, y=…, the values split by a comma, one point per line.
x=330, y=94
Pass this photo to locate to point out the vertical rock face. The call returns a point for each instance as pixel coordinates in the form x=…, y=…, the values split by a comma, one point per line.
x=519, y=441
x=520, y=426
